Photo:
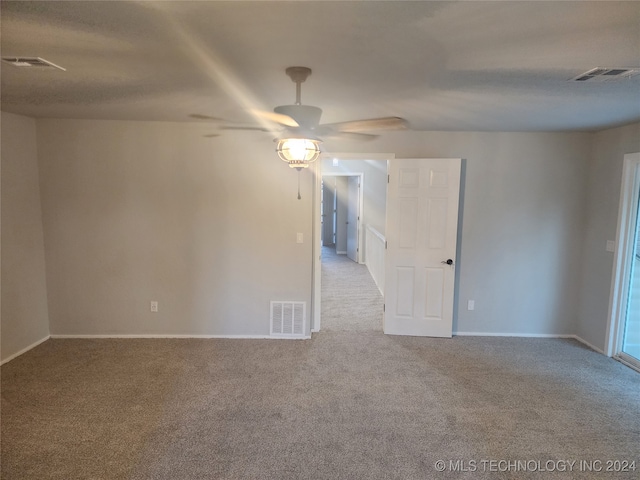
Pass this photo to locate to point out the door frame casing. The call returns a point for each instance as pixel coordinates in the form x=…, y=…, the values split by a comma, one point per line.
x=316, y=290
x=627, y=217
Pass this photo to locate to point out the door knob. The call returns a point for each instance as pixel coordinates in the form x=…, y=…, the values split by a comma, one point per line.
x=448, y=261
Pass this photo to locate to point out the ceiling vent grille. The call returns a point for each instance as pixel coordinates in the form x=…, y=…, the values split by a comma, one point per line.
x=602, y=74
x=287, y=319
x=23, y=62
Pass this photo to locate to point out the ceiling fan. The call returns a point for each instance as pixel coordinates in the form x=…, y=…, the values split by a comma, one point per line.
x=300, y=121
x=298, y=130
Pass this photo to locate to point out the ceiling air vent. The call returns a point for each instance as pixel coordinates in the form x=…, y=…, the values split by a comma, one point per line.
x=602, y=74
x=25, y=62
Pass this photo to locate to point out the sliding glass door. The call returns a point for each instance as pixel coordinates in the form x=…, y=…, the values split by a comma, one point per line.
x=631, y=335
x=623, y=340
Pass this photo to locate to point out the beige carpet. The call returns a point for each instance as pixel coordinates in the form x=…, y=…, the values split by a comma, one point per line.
x=351, y=302
x=351, y=403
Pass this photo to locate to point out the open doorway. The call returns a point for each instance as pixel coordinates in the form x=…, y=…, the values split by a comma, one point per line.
x=341, y=207
x=350, y=204
x=416, y=235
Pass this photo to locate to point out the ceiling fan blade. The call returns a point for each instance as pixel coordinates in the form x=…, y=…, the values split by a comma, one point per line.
x=199, y=116
x=231, y=127
x=350, y=136
x=280, y=118
x=383, y=123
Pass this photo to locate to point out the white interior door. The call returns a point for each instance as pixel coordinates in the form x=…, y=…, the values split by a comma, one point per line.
x=353, y=217
x=421, y=231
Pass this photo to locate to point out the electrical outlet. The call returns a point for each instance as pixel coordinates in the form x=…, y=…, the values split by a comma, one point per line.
x=299, y=238
x=471, y=305
x=154, y=306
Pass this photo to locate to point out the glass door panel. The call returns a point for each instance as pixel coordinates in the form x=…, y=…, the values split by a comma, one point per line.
x=631, y=339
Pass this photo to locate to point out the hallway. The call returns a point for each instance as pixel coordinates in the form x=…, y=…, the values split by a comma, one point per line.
x=350, y=299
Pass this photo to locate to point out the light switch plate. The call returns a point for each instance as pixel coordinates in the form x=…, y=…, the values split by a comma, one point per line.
x=611, y=246
x=299, y=238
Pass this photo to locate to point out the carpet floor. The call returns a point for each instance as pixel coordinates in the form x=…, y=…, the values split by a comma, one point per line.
x=351, y=403
x=351, y=302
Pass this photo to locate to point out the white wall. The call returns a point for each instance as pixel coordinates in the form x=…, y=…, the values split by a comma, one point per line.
x=604, y=182
x=141, y=211
x=135, y=211
x=24, y=297
x=375, y=245
x=522, y=223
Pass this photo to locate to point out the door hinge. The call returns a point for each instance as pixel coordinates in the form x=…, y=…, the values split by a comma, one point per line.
x=384, y=307
x=388, y=178
x=386, y=244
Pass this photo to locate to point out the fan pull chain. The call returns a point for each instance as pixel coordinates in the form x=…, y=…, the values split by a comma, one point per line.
x=299, y=197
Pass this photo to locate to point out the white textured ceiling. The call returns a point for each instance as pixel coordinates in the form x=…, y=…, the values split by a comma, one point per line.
x=441, y=65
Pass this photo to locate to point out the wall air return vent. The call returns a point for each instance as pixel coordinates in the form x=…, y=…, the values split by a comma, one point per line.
x=27, y=62
x=287, y=319
x=602, y=74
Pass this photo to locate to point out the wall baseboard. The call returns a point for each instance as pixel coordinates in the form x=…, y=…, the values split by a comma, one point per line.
x=268, y=337
x=25, y=350
x=237, y=337
x=530, y=335
x=523, y=335
x=584, y=342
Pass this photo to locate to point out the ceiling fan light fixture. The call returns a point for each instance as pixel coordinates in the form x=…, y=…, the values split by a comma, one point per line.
x=298, y=152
